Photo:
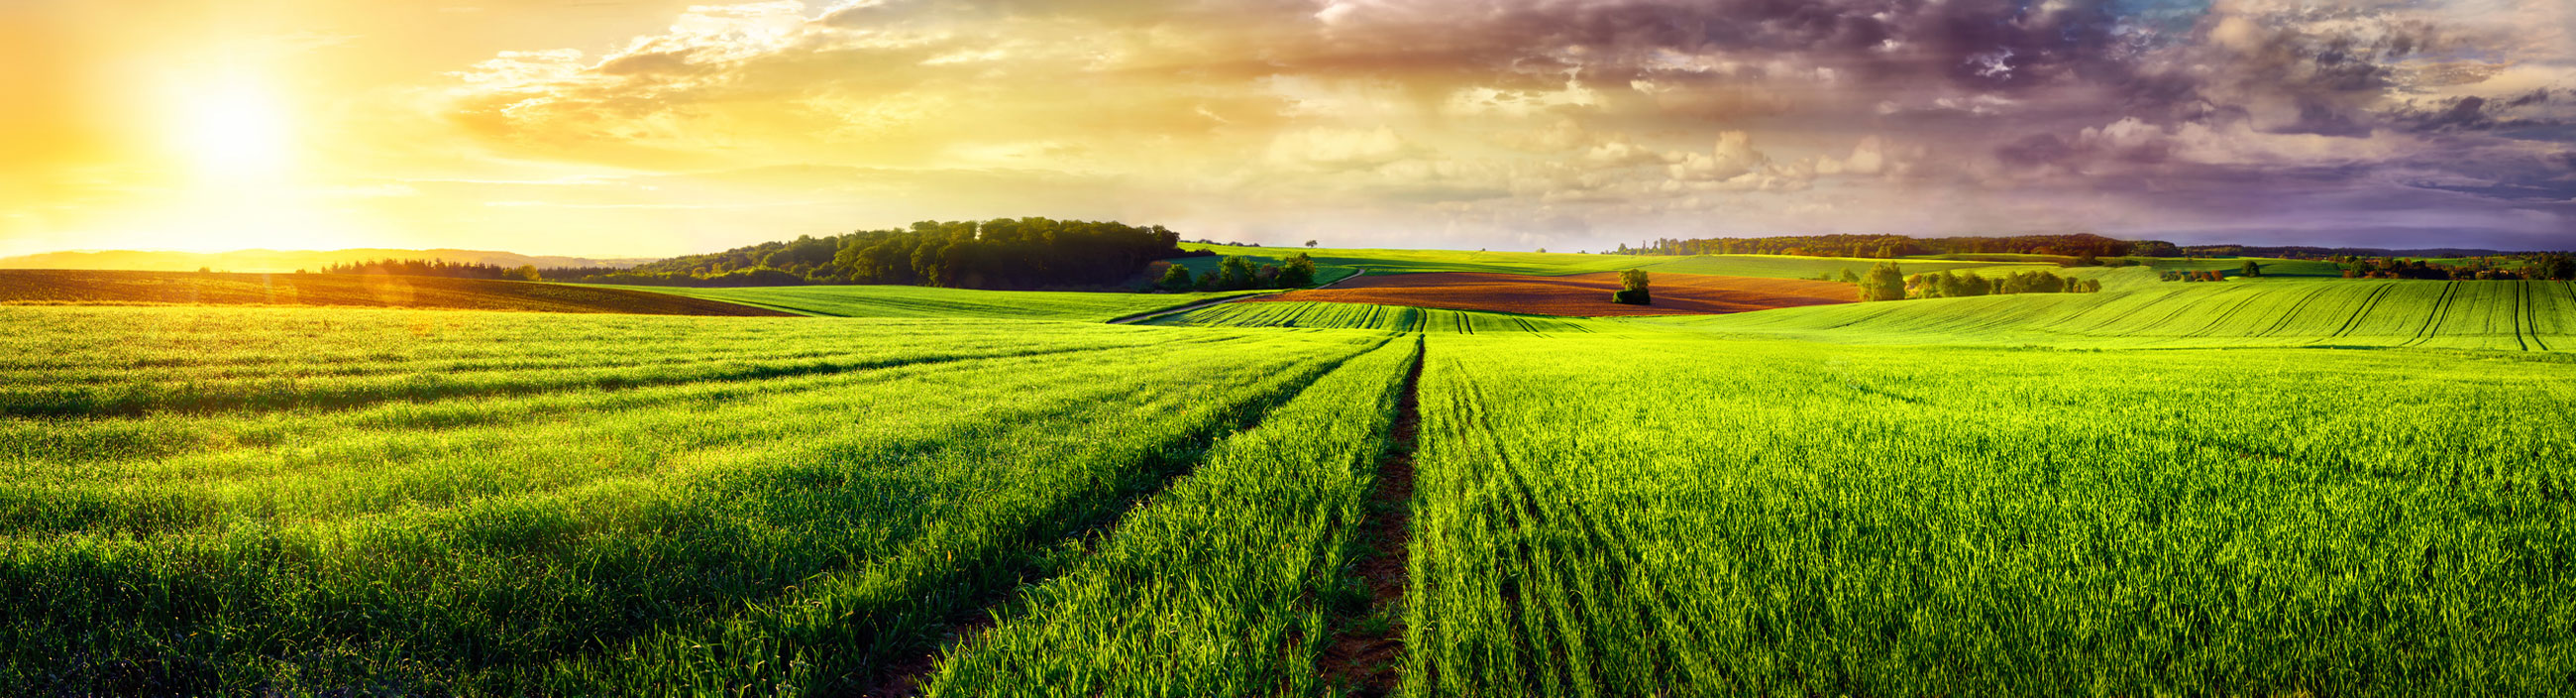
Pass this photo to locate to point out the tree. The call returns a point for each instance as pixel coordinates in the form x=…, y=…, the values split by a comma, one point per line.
x=1299, y=272
x=1175, y=279
x=1885, y=282
x=1236, y=273
x=2250, y=269
x=1849, y=277
x=1310, y=244
x=1632, y=289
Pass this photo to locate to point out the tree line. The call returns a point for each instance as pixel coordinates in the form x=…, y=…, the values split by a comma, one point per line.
x=1003, y=253
x=1892, y=246
x=1887, y=282
x=437, y=268
x=2551, y=266
x=1238, y=274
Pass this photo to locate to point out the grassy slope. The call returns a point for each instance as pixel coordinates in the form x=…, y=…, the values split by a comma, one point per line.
x=1379, y=261
x=928, y=302
x=1711, y=517
x=2511, y=315
x=1197, y=593
x=1365, y=316
x=487, y=503
x=185, y=288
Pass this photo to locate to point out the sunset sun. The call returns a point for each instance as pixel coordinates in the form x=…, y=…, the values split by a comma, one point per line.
x=230, y=129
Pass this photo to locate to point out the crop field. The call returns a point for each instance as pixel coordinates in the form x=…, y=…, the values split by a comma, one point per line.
x=930, y=302
x=1682, y=516
x=2500, y=315
x=2166, y=489
x=1381, y=262
x=203, y=500
x=69, y=287
x=1576, y=294
x=1363, y=316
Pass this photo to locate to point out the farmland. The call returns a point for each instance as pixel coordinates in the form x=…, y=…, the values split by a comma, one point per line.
x=1597, y=516
x=468, y=503
x=2503, y=315
x=23, y=287
x=1575, y=295
x=1369, y=316
x=882, y=301
x=2164, y=488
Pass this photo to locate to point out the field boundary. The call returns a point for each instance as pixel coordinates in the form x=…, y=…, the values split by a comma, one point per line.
x=1368, y=660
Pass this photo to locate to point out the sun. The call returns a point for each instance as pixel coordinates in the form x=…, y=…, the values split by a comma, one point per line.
x=231, y=129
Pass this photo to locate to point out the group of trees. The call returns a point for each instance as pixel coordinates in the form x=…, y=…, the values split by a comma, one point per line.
x=1238, y=274
x=1632, y=289
x=2554, y=266
x=434, y=267
x=1892, y=246
x=2201, y=275
x=1887, y=282
x=1003, y=253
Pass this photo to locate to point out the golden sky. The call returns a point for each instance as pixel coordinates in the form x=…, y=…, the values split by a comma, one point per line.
x=643, y=128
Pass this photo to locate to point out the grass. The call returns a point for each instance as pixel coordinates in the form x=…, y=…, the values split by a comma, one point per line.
x=1983, y=496
x=1704, y=517
x=1379, y=261
x=1365, y=316
x=80, y=287
x=321, y=513
x=2500, y=315
x=1198, y=594
x=929, y=302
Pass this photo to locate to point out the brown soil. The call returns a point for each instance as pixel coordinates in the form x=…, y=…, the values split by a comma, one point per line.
x=1370, y=662
x=32, y=286
x=1579, y=295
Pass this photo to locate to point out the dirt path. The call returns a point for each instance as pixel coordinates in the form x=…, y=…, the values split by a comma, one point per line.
x=1367, y=653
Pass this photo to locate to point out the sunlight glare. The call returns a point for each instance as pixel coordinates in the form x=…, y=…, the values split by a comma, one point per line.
x=231, y=129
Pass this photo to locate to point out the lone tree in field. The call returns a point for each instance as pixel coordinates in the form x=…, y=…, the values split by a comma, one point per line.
x=1632, y=289
x=2250, y=269
x=1885, y=282
x=1310, y=244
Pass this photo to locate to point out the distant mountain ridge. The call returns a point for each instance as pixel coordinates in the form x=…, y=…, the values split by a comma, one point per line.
x=278, y=261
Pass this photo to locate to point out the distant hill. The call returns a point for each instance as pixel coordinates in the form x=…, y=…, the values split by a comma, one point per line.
x=97, y=287
x=272, y=261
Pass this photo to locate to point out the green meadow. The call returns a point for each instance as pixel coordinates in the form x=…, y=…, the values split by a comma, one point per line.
x=2278, y=486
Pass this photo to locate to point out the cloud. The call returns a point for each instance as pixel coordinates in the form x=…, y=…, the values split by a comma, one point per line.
x=1624, y=109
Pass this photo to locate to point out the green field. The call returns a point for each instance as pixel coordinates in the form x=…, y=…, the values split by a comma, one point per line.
x=1599, y=515
x=931, y=302
x=1365, y=316
x=2251, y=487
x=1559, y=263
x=2507, y=315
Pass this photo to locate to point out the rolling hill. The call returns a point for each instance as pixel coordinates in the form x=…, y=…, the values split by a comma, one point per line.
x=2507, y=315
x=282, y=261
x=84, y=287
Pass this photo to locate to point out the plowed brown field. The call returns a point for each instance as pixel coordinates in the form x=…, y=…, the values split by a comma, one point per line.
x=22, y=286
x=1581, y=294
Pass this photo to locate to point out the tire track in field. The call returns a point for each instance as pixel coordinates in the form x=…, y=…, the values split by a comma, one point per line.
x=979, y=590
x=2441, y=308
x=2350, y=323
x=1371, y=663
x=2521, y=313
x=2294, y=312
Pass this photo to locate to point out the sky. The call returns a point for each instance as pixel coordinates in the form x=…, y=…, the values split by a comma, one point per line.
x=614, y=128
